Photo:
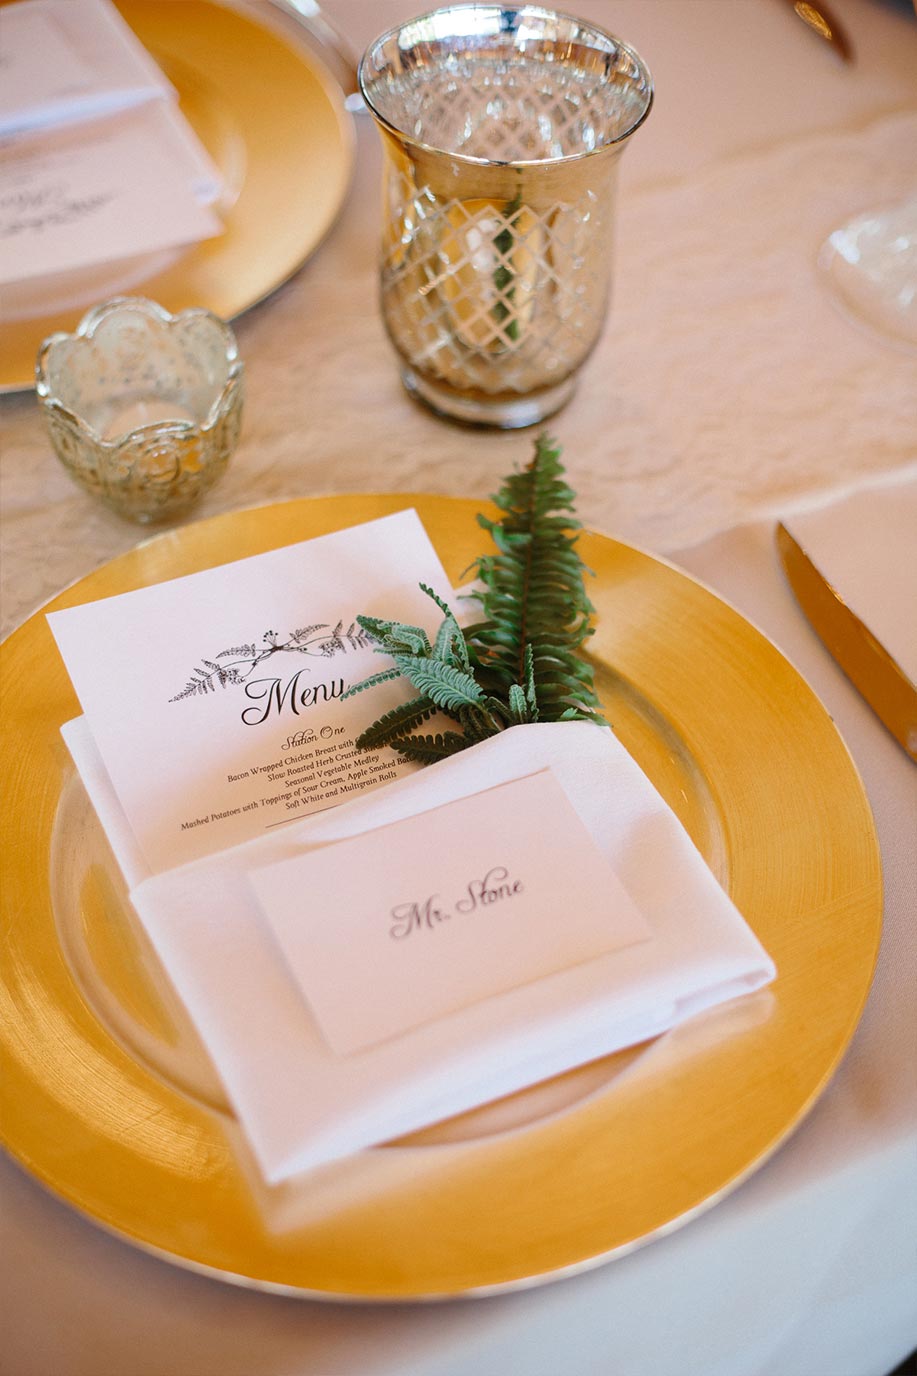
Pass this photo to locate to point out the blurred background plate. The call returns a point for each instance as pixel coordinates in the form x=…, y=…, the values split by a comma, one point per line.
x=272, y=117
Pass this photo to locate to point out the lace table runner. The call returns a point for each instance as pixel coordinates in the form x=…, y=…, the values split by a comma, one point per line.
x=726, y=386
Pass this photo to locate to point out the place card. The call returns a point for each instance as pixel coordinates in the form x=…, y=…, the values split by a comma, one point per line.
x=422, y=918
x=216, y=700
x=303, y=1104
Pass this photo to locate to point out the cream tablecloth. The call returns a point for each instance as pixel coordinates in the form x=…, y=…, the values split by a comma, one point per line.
x=726, y=389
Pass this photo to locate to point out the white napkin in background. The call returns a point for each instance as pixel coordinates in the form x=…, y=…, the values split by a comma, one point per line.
x=97, y=162
x=301, y=1105
x=71, y=60
x=865, y=547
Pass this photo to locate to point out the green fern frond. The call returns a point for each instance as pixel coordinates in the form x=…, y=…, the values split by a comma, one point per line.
x=520, y=707
x=521, y=662
x=372, y=682
x=478, y=723
x=531, y=693
x=533, y=595
x=449, y=644
x=395, y=636
x=447, y=686
x=399, y=722
x=429, y=749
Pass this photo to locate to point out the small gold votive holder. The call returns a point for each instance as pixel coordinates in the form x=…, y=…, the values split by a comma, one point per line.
x=143, y=408
x=502, y=126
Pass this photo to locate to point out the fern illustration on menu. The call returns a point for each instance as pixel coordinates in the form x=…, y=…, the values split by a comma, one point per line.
x=240, y=661
x=521, y=662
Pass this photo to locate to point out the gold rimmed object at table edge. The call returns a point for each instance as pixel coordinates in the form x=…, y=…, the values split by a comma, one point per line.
x=824, y=25
x=864, y=659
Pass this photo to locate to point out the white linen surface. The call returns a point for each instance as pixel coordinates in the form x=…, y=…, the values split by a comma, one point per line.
x=301, y=1105
x=67, y=63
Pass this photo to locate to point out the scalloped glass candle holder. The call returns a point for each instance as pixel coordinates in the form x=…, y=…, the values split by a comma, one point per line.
x=143, y=408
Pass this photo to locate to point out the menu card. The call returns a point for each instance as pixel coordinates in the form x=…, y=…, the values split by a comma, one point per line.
x=216, y=700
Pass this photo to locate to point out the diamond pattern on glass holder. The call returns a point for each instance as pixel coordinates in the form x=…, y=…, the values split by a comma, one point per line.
x=492, y=296
x=509, y=110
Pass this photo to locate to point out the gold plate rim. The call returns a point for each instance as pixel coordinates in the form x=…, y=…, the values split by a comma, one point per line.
x=813, y=891
x=219, y=98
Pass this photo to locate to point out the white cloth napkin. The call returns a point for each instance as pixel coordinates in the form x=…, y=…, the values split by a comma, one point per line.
x=71, y=63
x=865, y=547
x=97, y=782
x=68, y=61
x=98, y=164
x=301, y=1105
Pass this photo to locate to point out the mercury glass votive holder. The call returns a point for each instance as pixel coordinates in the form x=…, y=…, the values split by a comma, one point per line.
x=502, y=127
x=143, y=408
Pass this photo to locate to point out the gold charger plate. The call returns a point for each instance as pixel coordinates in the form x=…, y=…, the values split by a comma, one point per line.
x=109, y=1101
x=273, y=120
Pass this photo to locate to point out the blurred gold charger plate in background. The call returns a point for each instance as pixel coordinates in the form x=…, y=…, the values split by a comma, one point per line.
x=109, y=1100
x=273, y=120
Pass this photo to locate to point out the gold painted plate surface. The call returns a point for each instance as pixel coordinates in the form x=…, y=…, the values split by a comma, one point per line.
x=273, y=120
x=109, y=1100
